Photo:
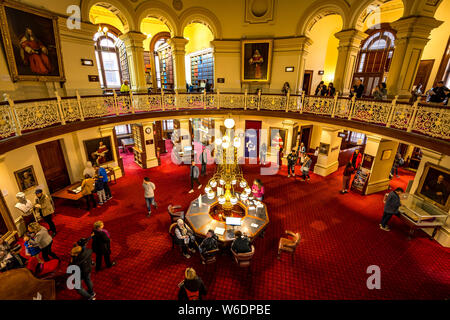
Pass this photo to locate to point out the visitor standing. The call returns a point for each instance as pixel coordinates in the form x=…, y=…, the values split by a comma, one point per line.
x=302, y=152
x=348, y=170
x=286, y=88
x=100, y=190
x=258, y=189
x=204, y=160
x=101, y=172
x=262, y=154
x=398, y=161
x=45, y=207
x=391, y=208
x=82, y=258
x=192, y=287
x=292, y=161
x=194, y=174
x=149, y=194
x=357, y=89
x=124, y=88
x=331, y=90
x=305, y=168
x=87, y=187
x=101, y=245
x=356, y=159
x=89, y=169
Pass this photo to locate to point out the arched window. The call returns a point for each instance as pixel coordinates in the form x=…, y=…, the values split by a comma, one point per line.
x=375, y=57
x=162, y=52
x=111, y=60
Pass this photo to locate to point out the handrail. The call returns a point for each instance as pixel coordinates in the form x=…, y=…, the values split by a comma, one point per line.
x=28, y=115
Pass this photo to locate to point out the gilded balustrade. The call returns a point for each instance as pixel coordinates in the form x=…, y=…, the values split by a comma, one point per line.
x=30, y=115
x=7, y=127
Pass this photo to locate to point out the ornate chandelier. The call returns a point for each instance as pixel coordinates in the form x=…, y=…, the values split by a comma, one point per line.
x=228, y=178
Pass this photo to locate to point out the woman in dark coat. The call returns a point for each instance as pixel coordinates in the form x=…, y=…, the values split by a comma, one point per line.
x=192, y=287
x=101, y=245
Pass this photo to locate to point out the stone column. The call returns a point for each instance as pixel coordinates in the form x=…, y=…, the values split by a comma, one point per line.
x=328, y=163
x=178, y=52
x=290, y=51
x=349, y=44
x=289, y=126
x=377, y=146
x=134, y=45
x=227, y=61
x=412, y=36
x=150, y=149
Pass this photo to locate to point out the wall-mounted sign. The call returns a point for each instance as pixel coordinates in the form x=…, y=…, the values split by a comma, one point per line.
x=342, y=135
x=320, y=72
x=289, y=69
x=149, y=141
x=220, y=80
x=93, y=78
x=87, y=62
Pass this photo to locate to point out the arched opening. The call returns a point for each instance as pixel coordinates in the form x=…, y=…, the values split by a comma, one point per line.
x=111, y=56
x=104, y=14
x=157, y=54
x=199, y=61
x=321, y=62
x=374, y=58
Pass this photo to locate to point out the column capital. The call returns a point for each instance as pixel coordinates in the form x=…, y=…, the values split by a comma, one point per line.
x=374, y=138
x=415, y=27
x=133, y=39
x=432, y=154
x=178, y=44
x=226, y=46
x=292, y=44
x=350, y=37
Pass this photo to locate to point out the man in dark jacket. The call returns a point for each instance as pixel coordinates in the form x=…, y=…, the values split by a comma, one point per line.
x=241, y=244
x=292, y=161
x=82, y=257
x=438, y=93
x=209, y=243
x=391, y=208
x=204, y=160
x=357, y=89
x=101, y=245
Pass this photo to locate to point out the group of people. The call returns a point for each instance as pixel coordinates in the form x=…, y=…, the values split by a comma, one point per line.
x=95, y=182
x=300, y=157
x=324, y=90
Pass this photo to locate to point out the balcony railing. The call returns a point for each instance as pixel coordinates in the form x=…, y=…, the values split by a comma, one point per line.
x=18, y=117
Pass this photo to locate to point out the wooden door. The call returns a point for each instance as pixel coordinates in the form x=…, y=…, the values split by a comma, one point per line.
x=306, y=136
x=54, y=165
x=424, y=72
x=158, y=135
x=307, y=80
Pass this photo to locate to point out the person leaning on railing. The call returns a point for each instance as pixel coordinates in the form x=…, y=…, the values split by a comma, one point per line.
x=438, y=94
x=125, y=88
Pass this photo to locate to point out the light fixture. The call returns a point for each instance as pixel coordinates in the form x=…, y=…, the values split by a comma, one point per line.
x=218, y=141
x=213, y=183
x=237, y=142
x=211, y=195
x=221, y=200
x=207, y=189
x=248, y=190
x=233, y=182
x=229, y=123
x=243, y=184
x=222, y=182
x=233, y=200
x=244, y=196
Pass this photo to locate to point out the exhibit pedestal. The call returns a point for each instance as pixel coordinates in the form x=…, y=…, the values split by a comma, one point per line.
x=324, y=170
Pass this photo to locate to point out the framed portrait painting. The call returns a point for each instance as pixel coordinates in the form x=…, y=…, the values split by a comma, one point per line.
x=32, y=44
x=256, y=62
x=434, y=185
x=99, y=150
x=26, y=178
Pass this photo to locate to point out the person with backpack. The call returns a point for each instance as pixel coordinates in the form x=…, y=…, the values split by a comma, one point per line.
x=192, y=287
x=82, y=258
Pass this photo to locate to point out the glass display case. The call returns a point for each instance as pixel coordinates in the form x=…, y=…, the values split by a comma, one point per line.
x=420, y=214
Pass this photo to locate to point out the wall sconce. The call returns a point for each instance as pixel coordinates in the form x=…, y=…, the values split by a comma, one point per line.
x=87, y=62
x=289, y=69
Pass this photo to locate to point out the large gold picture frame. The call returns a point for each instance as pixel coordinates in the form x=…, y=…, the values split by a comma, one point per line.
x=26, y=178
x=32, y=43
x=256, y=60
x=427, y=185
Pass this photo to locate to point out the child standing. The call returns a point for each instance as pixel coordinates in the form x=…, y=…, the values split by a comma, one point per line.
x=100, y=189
x=149, y=194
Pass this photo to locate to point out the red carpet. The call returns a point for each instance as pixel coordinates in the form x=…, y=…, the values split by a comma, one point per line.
x=340, y=239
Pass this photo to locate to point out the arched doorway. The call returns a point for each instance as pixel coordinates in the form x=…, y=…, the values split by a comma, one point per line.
x=374, y=58
x=163, y=61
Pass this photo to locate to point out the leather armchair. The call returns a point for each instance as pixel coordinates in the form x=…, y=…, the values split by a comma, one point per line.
x=289, y=244
x=172, y=233
x=209, y=257
x=243, y=259
x=174, y=214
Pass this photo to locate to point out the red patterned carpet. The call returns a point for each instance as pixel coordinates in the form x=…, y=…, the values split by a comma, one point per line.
x=340, y=239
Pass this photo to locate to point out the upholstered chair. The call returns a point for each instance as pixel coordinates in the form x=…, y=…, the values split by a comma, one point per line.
x=289, y=244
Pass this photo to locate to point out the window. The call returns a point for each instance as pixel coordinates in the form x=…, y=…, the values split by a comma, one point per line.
x=357, y=137
x=375, y=58
x=111, y=60
x=123, y=129
x=167, y=125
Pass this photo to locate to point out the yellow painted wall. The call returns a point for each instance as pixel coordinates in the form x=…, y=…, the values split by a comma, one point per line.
x=323, y=52
x=98, y=15
x=387, y=13
x=438, y=40
x=150, y=27
x=199, y=37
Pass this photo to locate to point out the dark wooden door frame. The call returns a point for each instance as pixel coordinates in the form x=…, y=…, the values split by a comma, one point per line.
x=310, y=135
x=311, y=73
x=427, y=77
x=6, y=215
